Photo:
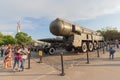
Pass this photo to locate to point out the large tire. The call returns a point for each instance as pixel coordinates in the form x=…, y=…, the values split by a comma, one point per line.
x=52, y=50
x=46, y=50
x=84, y=47
x=90, y=46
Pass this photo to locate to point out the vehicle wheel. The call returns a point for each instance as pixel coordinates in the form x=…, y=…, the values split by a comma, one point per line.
x=46, y=49
x=84, y=47
x=52, y=51
x=90, y=46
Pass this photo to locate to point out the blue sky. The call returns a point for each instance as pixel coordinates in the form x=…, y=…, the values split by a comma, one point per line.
x=36, y=15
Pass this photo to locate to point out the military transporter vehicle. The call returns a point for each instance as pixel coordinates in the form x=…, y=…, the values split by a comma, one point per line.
x=75, y=37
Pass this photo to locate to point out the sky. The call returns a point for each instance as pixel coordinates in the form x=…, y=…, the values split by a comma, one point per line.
x=35, y=16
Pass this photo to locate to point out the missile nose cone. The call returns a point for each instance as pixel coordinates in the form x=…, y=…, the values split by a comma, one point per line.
x=55, y=27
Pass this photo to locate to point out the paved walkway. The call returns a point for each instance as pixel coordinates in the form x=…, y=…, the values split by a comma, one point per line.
x=36, y=72
x=99, y=69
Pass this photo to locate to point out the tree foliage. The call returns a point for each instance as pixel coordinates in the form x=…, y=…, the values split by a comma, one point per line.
x=23, y=38
x=1, y=39
x=8, y=39
x=110, y=34
x=20, y=38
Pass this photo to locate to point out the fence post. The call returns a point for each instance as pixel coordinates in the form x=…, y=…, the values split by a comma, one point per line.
x=87, y=53
x=103, y=50
x=98, y=52
x=62, y=65
x=87, y=57
x=29, y=55
x=28, y=60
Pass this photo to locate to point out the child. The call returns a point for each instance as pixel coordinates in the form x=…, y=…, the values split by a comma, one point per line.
x=111, y=53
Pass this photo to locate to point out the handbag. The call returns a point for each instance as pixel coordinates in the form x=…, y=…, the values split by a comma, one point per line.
x=24, y=56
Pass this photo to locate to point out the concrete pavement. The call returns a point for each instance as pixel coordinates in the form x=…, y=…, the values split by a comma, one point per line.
x=99, y=69
x=36, y=72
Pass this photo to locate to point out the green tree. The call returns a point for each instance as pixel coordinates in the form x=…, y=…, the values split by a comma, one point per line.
x=23, y=38
x=110, y=33
x=101, y=31
x=1, y=39
x=8, y=39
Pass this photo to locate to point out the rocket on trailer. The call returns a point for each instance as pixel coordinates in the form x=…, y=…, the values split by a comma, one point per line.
x=75, y=36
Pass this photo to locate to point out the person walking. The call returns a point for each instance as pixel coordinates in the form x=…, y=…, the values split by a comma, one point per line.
x=6, y=59
x=2, y=50
x=17, y=58
x=111, y=53
x=10, y=56
x=24, y=52
x=117, y=43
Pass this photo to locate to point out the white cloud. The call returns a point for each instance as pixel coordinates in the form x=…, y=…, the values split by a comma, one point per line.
x=72, y=9
x=12, y=10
